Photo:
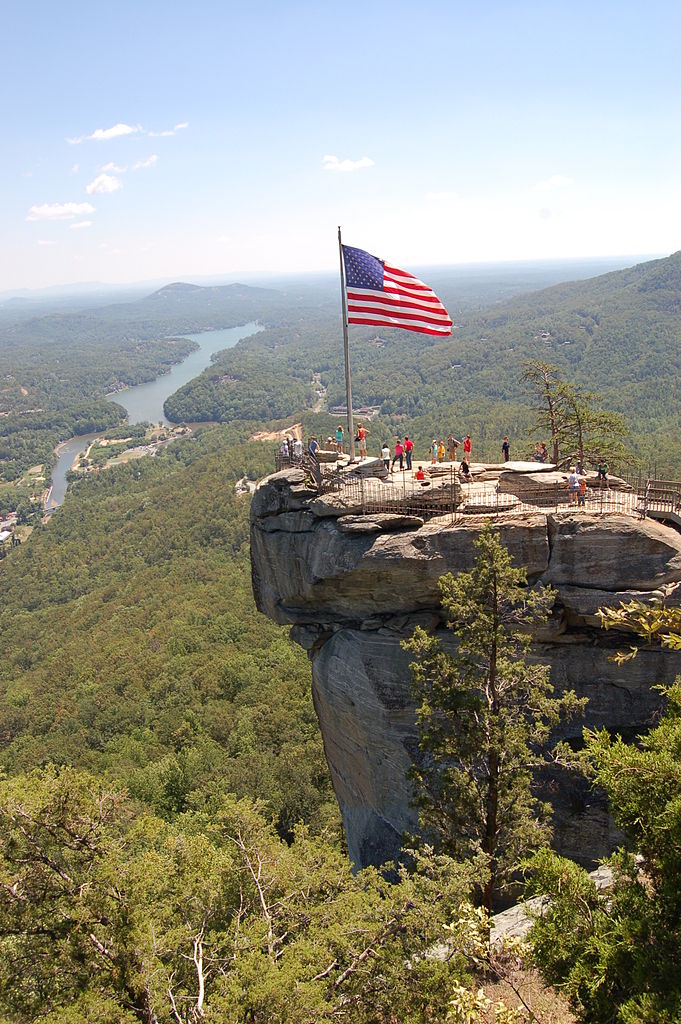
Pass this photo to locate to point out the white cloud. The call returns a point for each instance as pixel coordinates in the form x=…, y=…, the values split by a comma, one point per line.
x=80, y=224
x=555, y=181
x=46, y=241
x=59, y=211
x=113, y=168
x=104, y=184
x=102, y=134
x=332, y=163
x=169, y=131
x=149, y=162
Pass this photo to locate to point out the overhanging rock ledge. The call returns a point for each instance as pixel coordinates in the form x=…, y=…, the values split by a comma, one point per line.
x=353, y=587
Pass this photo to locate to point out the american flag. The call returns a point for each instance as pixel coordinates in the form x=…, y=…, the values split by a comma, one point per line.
x=388, y=297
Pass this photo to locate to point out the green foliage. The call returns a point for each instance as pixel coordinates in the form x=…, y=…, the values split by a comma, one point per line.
x=652, y=620
x=617, y=956
x=484, y=715
x=122, y=917
x=131, y=644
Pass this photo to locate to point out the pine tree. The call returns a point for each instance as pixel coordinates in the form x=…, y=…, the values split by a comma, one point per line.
x=484, y=715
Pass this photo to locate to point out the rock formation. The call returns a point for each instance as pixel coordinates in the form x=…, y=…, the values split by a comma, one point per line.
x=354, y=586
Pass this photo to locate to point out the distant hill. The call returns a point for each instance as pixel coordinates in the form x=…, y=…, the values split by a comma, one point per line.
x=618, y=334
x=175, y=309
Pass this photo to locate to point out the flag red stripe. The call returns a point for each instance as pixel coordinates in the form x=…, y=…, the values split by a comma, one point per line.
x=402, y=273
x=429, y=297
x=409, y=327
x=397, y=314
x=395, y=295
x=409, y=286
x=386, y=300
x=400, y=315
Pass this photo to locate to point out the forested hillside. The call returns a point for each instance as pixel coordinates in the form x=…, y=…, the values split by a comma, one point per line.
x=55, y=369
x=618, y=334
x=131, y=645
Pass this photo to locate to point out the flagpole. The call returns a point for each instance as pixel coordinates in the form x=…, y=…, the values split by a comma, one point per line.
x=346, y=348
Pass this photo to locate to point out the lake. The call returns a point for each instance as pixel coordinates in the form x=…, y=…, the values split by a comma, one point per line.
x=144, y=402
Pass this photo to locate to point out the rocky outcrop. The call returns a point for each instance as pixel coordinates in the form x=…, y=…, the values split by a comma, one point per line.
x=354, y=586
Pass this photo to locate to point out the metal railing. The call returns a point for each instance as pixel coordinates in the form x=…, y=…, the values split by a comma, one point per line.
x=399, y=494
x=447, y=494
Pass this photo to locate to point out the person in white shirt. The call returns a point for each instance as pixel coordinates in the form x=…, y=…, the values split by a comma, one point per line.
x=573, y=485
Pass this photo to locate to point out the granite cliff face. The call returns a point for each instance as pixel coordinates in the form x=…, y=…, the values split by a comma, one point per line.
x=353, y=587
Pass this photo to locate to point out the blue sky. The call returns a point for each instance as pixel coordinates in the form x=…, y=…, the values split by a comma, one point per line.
x=172, y=140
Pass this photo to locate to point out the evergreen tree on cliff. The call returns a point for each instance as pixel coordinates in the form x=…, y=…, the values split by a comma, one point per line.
x=616, y=955
x=484, y=715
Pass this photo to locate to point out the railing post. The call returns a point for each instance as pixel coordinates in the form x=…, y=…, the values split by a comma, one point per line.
x=363, y=498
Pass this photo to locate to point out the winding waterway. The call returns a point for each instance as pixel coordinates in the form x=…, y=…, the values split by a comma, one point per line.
x=144, y=403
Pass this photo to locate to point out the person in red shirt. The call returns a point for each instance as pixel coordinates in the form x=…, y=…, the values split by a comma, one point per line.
x=399, y=452
x=362, y=433
x=408, y=449
x=467, y=449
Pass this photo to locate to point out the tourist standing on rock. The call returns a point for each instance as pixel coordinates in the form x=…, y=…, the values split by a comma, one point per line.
x=433, y=452
x=603, y=474
x=408, y=449
x=385, y=455
x=467, y=448
x=441, y=452
x=313, y=446
x=581, y=497
x=506, y=449
x=284, y=449
x=399, y=452
x=452, y=445
x=573, y=485
x=362, y=434
x=544, y=452
x=339, y=439
x=298, y=450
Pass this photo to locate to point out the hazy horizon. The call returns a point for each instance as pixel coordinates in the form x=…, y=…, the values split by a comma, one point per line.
x=148, y=142
x=253, y=277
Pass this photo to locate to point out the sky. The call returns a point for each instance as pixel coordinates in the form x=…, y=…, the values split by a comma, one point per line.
x=148, y=141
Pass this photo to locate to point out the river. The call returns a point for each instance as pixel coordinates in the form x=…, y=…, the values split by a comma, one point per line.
x=144, y=402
